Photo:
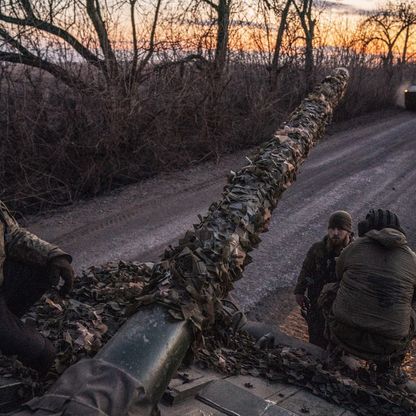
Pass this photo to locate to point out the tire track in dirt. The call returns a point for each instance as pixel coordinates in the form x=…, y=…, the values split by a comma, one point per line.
x=127, y=215
x=142, y=232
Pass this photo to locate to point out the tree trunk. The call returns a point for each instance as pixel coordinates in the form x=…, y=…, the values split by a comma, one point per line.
x=223, y=15
x=309, y=63
x=405, y=44
x=274, y=73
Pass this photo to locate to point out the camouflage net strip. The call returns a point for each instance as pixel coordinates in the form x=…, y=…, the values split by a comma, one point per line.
x=78, y=327
x=356, y=390
x=101, y=303
x=201, y=269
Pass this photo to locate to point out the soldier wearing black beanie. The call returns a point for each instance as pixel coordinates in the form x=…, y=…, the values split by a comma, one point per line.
x=318, y=269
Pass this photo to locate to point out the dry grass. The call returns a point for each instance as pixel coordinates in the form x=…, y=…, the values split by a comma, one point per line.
x=58, y=146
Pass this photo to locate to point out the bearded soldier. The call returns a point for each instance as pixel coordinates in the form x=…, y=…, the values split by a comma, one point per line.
x=318, y=269
x=28, y=267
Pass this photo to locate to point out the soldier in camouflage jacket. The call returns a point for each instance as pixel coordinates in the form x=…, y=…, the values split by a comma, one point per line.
x=318, y=269
x=29, y=266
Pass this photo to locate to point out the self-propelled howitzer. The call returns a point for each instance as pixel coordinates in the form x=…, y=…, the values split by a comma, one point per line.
x=129, y=375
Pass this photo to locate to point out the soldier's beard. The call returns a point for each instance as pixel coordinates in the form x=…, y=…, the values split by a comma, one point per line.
x=338, y=243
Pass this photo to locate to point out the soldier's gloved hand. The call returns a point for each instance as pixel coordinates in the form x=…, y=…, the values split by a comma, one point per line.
x=300, y=300
x=266, y=341
x=61, y=267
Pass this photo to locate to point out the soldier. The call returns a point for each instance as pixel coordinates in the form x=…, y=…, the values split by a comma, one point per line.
x=318, y=269
x=29, y=266
x=372, y=316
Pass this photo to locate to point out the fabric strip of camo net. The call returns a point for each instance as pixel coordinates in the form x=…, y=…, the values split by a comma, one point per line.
x=193, y=276
x=100, y=305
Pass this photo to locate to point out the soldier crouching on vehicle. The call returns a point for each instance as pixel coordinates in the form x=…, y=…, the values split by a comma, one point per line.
x=29, y=267
x=372, y=315
x=318, y=269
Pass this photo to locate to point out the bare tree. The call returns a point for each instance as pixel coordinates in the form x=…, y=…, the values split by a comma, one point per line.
x=407, y=14
x=385, y=27
x=222, y=10
x=281, y=10
x=305, y=12
x=83, y=27
x=21, y=21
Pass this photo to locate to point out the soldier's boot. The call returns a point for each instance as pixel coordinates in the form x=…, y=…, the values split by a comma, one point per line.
x=333, y=355
x=316, y=328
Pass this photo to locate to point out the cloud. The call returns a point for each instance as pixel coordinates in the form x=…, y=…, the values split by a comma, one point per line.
x=240, y=23
x=342, y=8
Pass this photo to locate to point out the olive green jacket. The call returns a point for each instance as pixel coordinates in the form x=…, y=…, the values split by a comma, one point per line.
x=20, y=245
x=372, y=315
x=378, y=282
x=318, y=269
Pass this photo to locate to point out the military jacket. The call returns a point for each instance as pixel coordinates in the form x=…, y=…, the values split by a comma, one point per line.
x=20, y=245
x=378, y=282
x=318, y=269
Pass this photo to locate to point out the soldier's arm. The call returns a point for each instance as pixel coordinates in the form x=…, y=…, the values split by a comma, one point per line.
x=414, y=283
x=22, y=245
x=306, y=273
x=340, y=266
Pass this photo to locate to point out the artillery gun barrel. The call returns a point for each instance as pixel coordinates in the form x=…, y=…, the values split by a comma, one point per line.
x=129, y=375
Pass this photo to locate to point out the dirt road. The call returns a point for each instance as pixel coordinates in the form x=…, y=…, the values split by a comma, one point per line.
x=369, y=162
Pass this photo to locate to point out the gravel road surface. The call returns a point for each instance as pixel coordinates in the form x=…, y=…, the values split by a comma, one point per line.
x=364, y=163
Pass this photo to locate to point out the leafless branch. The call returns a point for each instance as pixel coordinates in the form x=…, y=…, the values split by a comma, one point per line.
x=56, y=31
x=212, y=4
x=94, y=12
x=151, y=49
x=134, y=35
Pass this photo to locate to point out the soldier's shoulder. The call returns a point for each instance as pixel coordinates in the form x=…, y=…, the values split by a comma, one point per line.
x=319, y=245
x=317, y=248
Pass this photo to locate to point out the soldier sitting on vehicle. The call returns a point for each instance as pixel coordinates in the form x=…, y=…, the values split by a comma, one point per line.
x=318, y=269
x=372, y=316
x=29, y=266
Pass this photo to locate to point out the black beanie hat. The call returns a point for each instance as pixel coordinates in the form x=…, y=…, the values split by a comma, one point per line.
x=377, y=219
x=342, y=220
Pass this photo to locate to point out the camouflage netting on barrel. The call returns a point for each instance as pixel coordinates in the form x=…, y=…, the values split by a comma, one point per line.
x=200, y=271
x=357, y=390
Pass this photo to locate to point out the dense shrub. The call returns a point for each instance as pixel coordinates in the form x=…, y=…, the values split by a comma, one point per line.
x=58, y=145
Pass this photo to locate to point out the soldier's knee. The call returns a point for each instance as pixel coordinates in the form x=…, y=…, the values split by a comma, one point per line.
x=43, y=361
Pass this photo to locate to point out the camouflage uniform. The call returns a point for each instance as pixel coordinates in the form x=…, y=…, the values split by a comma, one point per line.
x=24, y=260
x=318, y=269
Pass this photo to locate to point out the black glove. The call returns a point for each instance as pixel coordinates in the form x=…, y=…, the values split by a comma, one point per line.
x=61, y=267
x=265, y=342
